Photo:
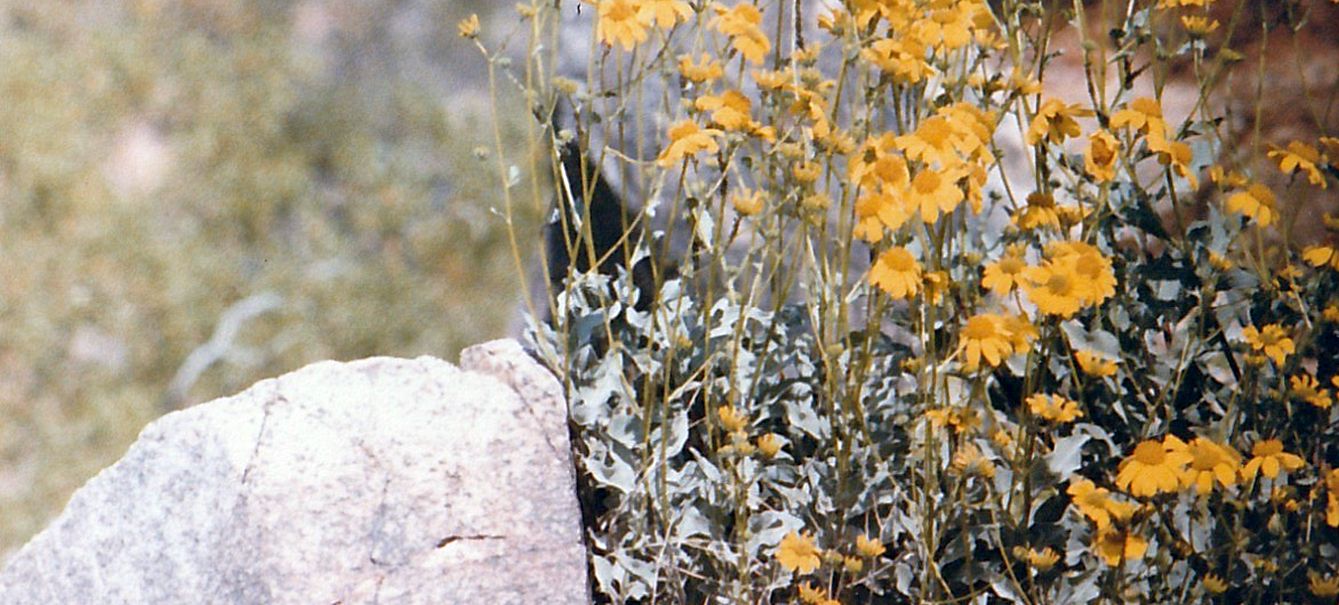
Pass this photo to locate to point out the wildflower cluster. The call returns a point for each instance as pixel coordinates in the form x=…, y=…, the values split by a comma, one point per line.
x=889, y=363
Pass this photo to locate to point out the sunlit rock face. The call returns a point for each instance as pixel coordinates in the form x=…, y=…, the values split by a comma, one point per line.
x=376, y=481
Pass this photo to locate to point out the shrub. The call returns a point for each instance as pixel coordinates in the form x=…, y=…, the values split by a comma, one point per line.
x=942, y=333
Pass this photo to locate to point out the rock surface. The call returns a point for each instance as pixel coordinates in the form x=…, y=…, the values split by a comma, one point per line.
x=376, y=481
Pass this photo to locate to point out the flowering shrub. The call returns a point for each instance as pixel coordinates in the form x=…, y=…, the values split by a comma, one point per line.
x=891, y=367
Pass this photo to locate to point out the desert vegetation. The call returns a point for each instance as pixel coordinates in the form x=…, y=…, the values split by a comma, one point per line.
x=955, y=324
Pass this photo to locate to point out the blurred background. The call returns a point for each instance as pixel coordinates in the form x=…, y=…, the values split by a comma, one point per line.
x=296, y=180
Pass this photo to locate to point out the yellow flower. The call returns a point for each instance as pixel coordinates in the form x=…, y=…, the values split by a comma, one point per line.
x=853, y=565
x=968, y=460
x=686, y=140
x=876, y=163
x=1198, y=26
x=1054, y=122
x=1214, y=584
x=1320, y=256
x=933, y=192
x=1227, y=178
x=1210, y=462
x=798, y=553
x=932, y=142
x=747, y=203
x=1154, y=467
x=705, y=69
x=1096, y=504
x=1268, y=457
x=768, y=445
x=665, y=13
x=1039, y=212
x=1323, y=587
x=620, y=21
x=1096, y=278
x=869, y=547
x=1306, y=388
x=468, y=27
x=1043, y=560
x=1273, y=341
x=1002, y=276
x=1054, y=408
x=961, y=420
x=810, y=594
x=984, y=337
x=741, y=25
x=806, y=172
x=1175, y=154
x=935, y=284
x=1332, y=496
x=1103, y=151
x=730, y=110
x=1114, y=545
x=1054, y=288
x=1257, y=202
x=731, y=420
x=1143, y=114
x=902, y=58
x=1094, y=365
x=1301, y=156
x=1021, y=332
x=897, y=273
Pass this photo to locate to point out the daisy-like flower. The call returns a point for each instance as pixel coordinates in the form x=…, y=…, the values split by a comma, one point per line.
x=1054, y=288
x=740, y=24
x=747, y=203
x=620, y=23
x=1273, y=341
x=1043, y=560
x=968, y=460
x=1103, y=151
x=468, y=27
x=729, y=110
x=706, y=69
x=1210, y=462
x=1214, y=584
x=1299, y=156
x=1257, y=202
x=1039, y=212
x=878, y=163
x=869, y=547
x=1003, y=275
x=797, y=552
x=1114, y=545
x=1021, y=331
x=1320, y=256
x=902, y=58
x=1268, y=457
x=935, y=192
x=769, y=445
x=1093, y=364
x=1322, y=587
x=897, y=273
x=1054, y=408
x=731, y=420
x=1154, y=467
x=810, y=594
x=984, y=337
x=868, y=228
x=1096, y=503
x=687, y=139
x=1308, y=389
x=961, y=420
x=665, y=13
x=1198, y=26
x=1174, y=154
x=1097, y=279
x=1054, y=122
x=1143, y=114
